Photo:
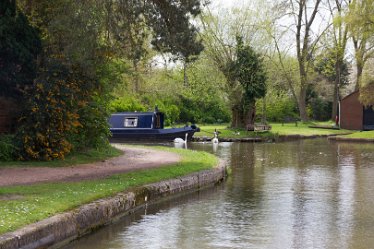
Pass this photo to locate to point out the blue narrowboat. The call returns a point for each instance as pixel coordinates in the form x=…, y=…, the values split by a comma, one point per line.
x=145, y=126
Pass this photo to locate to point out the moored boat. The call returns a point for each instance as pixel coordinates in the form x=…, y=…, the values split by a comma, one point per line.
x=145, y=126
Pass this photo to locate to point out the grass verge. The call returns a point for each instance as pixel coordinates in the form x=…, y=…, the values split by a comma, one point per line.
x=22, y=205
x=277, y=129
x=89, y=156
x=361, y=135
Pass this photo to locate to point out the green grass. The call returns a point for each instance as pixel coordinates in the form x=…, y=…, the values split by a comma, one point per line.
x=277, y=129
x=303, y=129
x=37, y=202
x=361, y=134
x=89, y=156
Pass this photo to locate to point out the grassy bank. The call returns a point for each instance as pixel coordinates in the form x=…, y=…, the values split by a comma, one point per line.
x=361, y=135
x=278, y=129
x=22, y=205
x=89, y=156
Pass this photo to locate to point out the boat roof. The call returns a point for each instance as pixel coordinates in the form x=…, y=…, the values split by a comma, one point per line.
x=133, y=113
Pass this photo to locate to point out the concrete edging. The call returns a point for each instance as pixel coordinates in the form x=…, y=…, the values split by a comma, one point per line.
x=63, y=228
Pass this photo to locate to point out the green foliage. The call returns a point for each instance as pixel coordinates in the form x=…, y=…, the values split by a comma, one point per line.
x=8, y=150
x=325, y=64
x=319, y=109
x=19, y=47
x=61, y=111
x=366, y=94
x=279, y=106
x=127, y=104
x=201, y=111
x=171, y=111
x=250, y=72
x=173, y=31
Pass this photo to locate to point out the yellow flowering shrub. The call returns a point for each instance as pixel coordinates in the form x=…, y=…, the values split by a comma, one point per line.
x=57, y=114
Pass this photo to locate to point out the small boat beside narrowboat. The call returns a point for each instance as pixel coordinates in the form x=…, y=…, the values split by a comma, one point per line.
x=145, y=126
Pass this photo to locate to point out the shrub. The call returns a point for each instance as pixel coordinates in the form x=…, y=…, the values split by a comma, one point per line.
x=60, y=112
x=278, y=107
x=7, y=148
x=126, y=104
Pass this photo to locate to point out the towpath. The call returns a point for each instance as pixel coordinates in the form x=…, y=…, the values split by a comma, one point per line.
x=134, y=158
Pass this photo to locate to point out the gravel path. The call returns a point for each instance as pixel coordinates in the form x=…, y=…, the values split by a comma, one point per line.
x=132, y=159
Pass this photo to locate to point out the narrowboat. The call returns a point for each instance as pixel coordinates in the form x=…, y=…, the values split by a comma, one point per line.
x=145, y=126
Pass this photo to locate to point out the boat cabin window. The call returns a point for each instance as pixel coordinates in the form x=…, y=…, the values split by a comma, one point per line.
x=131, y=122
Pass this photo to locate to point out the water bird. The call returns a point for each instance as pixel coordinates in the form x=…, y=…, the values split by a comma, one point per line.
x=180, y=140
x=215, y=139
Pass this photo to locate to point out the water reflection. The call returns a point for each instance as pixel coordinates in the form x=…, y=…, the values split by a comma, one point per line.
x=303, y=194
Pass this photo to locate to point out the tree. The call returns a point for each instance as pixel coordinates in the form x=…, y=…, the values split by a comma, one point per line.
x=328, y=63
x=301, y=15
x=219, y=32
x=18, y=57
x=173, y=31
x=360, y=21
x=304, y=48
x=249, y=71
x=340, y=39
x=128, y=34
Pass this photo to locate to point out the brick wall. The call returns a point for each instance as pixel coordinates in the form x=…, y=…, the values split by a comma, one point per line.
x=351, y=112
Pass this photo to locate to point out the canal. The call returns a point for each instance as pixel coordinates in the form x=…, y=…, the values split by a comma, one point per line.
x=302, y=194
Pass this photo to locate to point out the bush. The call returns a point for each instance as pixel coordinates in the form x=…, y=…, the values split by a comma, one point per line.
x=7, y=148
x=61, y=112
x=278, y=108
x=319, y=109
x=126, y=104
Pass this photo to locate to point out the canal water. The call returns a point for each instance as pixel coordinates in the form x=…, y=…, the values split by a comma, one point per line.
x=302, y=194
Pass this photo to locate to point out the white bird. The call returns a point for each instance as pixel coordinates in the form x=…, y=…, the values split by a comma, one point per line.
x=180, y=140
x=215, y=139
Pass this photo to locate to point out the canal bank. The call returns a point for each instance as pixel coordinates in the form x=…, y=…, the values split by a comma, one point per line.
x=63, y=228
x=274, y=138
x=311, y=194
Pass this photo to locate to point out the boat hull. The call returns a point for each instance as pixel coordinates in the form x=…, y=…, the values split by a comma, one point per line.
x=141, y=135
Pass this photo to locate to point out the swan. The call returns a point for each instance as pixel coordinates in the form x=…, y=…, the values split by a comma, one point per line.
x=180, y=140
x=215, y=139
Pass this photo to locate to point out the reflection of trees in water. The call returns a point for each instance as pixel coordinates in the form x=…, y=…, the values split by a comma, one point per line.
x=356, y=162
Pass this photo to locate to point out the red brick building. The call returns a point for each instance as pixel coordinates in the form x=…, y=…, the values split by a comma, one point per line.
x=353, y=115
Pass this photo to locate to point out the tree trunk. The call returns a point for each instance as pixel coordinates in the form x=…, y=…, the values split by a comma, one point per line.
x=359, y=68
x=335, y=101
x=250, y=115
x=335, y=95
x=185, y=77
x=136, y=76
x=235, y=113
x=302, y=104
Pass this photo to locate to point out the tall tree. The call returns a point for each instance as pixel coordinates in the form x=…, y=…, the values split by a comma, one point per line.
x=249, y=71
x=173, y=31
x=360, y=21
x=304, y=46
x=340, y=39
x=219, y=31
x=128, y=34
x=18, y=57
x=300, y=15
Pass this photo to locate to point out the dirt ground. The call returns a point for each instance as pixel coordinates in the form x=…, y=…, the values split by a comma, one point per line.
x=132, y=159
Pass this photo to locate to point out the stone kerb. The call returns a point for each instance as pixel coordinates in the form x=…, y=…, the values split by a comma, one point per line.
x=63, y=228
